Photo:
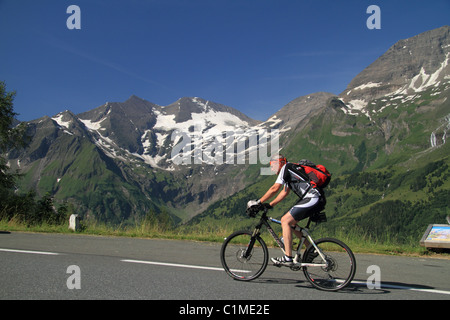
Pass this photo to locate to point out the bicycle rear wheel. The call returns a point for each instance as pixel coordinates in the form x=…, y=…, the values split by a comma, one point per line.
x=244, y=257
x=341, y=265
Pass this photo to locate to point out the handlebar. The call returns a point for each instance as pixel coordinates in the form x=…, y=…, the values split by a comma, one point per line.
x=254, y=210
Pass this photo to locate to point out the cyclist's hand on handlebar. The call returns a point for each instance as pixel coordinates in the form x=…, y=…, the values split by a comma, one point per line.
x=266, y=206
x=256, y=204
x=253, y=208
x=253, y=203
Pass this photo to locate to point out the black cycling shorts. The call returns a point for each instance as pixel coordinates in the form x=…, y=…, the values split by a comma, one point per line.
x=304, y=208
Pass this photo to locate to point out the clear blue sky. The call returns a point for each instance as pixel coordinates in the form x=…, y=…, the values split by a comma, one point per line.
x=253, y=55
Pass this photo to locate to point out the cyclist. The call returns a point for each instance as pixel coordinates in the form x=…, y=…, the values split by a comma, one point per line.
x=311, y=202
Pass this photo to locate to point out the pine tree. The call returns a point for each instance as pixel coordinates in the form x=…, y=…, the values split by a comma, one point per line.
x=10, y=137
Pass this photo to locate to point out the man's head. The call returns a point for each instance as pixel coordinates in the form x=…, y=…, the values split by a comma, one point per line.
x=277, y=162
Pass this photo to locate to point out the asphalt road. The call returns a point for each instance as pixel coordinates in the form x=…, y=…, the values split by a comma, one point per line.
x=52, y=266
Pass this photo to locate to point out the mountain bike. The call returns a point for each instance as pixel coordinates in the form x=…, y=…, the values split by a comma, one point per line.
x=328, y=264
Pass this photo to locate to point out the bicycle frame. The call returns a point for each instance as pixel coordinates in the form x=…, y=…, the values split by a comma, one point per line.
x=305, y=235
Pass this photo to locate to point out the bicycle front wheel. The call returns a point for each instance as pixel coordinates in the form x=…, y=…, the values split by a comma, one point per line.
x=340, y=269
x=244, y=257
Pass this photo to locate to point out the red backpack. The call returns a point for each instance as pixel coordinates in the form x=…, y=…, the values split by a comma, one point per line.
x=318, y=175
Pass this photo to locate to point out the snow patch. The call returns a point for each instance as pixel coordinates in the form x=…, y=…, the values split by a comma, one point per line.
x=357, y=104
x=93, y=126
x=423, y=80
x=368, y=85
x=60, y=122
x=217, y=122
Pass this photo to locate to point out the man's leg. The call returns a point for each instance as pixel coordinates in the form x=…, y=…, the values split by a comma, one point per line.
x=302, y=210
x=287, y=233
x=298, y=212
x=286, y=222
x=299, y=235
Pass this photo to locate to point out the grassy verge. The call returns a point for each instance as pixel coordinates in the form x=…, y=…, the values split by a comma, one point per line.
x=142, y=230
x=358, y=244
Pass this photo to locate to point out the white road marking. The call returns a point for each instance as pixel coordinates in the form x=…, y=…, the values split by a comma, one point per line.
x=28, y=251
x=172, y=264
x=177, y=265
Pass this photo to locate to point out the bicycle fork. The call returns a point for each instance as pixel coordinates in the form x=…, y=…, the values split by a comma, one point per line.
x=248, y=252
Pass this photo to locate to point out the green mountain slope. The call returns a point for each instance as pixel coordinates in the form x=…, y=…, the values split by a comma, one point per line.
x=75, y=170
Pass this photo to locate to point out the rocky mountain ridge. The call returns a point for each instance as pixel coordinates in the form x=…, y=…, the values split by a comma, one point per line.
x=408, y=67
